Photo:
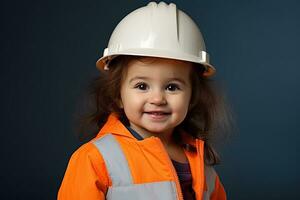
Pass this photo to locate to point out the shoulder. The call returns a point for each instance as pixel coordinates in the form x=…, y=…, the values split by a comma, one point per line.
x=87, y=149
x=87, y=162
x=214, y=187
x=86, y=175
x=88, y=152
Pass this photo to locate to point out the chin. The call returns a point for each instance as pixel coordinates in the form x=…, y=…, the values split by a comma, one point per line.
x=158, y=130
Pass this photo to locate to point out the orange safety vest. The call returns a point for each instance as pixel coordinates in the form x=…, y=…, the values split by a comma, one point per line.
x=115, y=165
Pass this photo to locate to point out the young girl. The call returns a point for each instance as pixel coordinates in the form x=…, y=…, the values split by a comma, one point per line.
x=156, y=111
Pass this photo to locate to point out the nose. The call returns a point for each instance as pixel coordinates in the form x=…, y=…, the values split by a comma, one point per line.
x=157, y=98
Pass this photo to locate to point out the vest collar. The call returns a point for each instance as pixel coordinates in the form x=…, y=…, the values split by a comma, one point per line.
x=114, y=126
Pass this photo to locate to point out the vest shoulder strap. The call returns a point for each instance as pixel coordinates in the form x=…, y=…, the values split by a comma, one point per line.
x=114, y=159
x=210, y=178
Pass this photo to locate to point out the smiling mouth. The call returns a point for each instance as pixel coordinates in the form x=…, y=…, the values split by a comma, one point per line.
x=158, y=113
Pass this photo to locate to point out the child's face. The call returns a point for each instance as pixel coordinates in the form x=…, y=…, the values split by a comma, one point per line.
x=156, y=95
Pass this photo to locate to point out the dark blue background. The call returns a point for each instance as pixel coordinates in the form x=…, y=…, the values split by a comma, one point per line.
x=48, y=55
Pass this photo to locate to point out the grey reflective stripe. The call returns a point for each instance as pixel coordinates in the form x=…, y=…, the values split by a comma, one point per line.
x=210, y=178
x=122, y=182
x=115, y=160
x=165, y=190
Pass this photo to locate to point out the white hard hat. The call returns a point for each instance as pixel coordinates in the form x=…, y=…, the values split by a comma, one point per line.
x=157, y=30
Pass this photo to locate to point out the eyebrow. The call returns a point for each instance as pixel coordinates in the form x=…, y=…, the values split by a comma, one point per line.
x=147, y=78
x=138, y=77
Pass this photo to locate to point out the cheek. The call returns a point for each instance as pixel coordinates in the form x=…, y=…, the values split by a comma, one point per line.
x=181, y=104
x=129, y=100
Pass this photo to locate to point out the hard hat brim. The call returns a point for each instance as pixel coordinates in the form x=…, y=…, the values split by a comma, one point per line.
x=203, y=60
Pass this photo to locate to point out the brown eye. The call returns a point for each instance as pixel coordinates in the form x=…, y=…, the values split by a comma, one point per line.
x=141, y=86
x=172, y=87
